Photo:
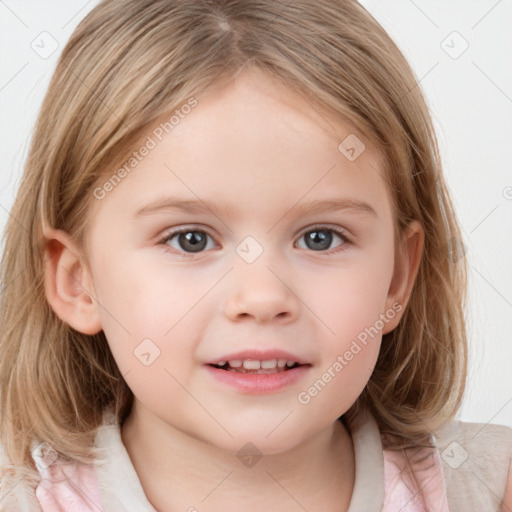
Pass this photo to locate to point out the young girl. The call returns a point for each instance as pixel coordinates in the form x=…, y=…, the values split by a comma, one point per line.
x=172, y=337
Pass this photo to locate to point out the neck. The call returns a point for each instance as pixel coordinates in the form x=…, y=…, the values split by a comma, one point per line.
x=180, y=472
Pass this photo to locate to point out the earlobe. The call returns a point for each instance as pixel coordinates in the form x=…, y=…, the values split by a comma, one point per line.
x=407, y=262
x=68, y=286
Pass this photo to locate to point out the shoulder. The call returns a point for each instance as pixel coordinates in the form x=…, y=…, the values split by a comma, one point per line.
x=17, y=486
x=471, y=446
x=476, y=459
x=476, y=433
x=54, y=483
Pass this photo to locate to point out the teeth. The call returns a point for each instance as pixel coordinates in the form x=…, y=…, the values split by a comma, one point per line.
x=251, y=365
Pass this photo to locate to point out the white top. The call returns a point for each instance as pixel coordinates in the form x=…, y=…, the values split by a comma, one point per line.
x=466, y=471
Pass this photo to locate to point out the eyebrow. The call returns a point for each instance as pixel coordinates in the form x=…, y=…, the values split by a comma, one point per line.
x=198, y=206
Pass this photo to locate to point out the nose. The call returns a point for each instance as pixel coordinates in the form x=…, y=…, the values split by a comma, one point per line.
x=260, y=293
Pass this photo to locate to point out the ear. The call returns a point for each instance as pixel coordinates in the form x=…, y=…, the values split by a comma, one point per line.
x=68, y=285
x=407, y=263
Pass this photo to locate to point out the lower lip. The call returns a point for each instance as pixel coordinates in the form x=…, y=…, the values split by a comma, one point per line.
x=258, y=382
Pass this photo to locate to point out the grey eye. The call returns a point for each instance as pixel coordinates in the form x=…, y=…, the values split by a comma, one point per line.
x=190, y=240
x=320, y=239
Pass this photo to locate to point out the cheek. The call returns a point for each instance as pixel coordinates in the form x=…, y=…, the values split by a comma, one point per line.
x=136, y=304
x=149, y=318
x=353, y=297
x=353, y=311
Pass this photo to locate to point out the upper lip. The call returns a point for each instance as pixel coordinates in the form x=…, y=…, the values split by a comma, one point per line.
x=259, y=355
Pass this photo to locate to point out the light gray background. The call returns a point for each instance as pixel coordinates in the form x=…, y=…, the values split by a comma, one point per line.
x=470, y=96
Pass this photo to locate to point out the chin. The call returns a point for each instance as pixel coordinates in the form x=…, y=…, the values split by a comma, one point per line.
x=258, y=442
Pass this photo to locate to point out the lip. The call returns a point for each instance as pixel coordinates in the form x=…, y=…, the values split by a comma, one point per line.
x=258, y=383
x=260, y=355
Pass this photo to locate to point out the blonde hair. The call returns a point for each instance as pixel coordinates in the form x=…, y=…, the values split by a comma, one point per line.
x=129, y=62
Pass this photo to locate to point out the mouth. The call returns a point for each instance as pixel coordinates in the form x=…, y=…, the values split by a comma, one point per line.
x=258, y=372
x=253, y=366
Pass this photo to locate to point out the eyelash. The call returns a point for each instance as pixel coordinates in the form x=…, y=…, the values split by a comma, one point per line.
x=169, y=236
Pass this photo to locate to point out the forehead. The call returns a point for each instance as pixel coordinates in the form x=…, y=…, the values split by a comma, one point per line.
x=254, y=142
x=259, y=108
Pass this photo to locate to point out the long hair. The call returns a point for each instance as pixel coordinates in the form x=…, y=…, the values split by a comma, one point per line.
x=131, y=61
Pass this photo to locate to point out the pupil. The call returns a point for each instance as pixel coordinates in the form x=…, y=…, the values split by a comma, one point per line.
x=322, y=237
x=193, y=241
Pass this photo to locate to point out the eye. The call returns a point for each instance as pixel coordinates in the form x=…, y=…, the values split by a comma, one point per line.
x=320, y=238
x=188, y=241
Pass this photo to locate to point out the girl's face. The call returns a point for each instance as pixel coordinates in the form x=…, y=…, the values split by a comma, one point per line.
x=265, y=263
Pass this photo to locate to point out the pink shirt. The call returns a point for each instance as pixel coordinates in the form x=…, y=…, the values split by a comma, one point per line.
x=72, y=487
x=398, y=489
x=75, y=488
